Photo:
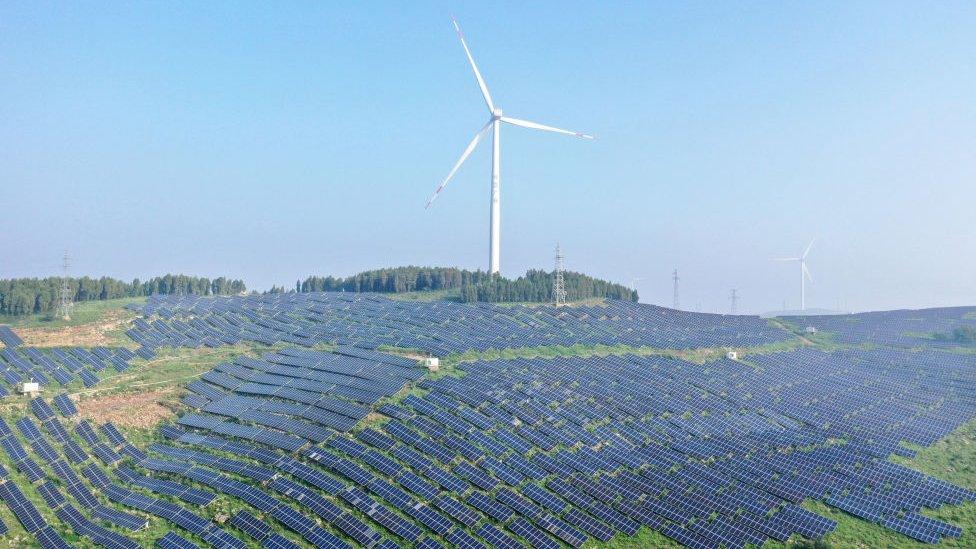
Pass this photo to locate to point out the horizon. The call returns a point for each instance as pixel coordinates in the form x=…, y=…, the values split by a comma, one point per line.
x=271, y=144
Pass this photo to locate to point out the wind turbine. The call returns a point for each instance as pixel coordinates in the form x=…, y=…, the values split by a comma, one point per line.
x=494, y=122
x=804, y=272
x=634, y=281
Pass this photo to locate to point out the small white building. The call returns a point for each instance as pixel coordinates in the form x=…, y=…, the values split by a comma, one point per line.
x=810, y=329
x=432, y=363
x=30, y=388
x=732, y=355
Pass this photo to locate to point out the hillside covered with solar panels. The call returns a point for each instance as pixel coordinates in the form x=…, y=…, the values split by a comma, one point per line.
x=319, y=419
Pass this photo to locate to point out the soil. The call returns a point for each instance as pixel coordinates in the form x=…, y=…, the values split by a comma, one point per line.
x=84, y=335
x=142, y=410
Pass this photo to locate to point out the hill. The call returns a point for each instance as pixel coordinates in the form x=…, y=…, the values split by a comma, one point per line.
x=467, y=286
x=623, y=401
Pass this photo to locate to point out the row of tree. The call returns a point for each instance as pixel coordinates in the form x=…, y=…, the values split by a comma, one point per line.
x=473, y=286
x=964, y=334
x=537, y=286
x=395, y=280
x=22, y=296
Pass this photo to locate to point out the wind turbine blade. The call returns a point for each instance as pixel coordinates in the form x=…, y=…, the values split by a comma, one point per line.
x=535, y=126
x=810, y=245
x=785, y=259
x=481, y=81
x=464, y=156
x=807, y=273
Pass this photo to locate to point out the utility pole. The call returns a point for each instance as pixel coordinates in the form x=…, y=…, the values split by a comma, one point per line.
x=676, y=303
x=558, y=284
x=734, y=298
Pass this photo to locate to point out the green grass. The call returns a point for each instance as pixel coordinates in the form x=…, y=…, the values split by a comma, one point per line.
x=171, y=367
x=453, y=294
x=551, y=351
x=644, y=538
x=953, y=459
x=85, y=312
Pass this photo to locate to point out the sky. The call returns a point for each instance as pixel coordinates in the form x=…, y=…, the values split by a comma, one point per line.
x=274, y=142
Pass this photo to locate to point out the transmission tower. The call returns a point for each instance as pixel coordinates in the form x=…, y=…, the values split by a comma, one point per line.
x=558, y=284
x=64, y=296
x=734, y=298
x=674, y=277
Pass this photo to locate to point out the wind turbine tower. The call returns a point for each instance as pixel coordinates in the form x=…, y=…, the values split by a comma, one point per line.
x=804, y=273
x=633, y=283
x=674, y=278
x=734, y=298
x=495, y=120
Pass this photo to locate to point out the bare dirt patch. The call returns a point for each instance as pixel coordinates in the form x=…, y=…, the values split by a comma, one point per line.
x=84, y=335
x=142, y=410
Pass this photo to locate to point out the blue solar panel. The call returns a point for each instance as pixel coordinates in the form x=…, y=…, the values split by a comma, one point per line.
x=174, y=541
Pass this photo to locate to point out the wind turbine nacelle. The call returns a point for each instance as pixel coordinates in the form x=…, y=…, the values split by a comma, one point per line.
x=497, y=113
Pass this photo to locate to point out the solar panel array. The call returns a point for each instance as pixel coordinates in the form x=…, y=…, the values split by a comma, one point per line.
x=8, y=337
x=901, y=328
x=560, y=451
x=295, y=396
x=325, y=447
x=108, y=498
x=440, y=327
x=59, y=366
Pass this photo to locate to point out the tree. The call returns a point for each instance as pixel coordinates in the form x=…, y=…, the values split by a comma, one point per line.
x=20, y=296
x=535, y=286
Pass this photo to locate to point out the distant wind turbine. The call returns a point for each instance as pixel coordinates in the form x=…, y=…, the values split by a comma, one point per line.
x=634, y=281
x=804, y=272
x=494, y=122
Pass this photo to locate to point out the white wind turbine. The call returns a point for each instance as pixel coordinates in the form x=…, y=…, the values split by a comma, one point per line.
x=494, y=122
x=804, y=272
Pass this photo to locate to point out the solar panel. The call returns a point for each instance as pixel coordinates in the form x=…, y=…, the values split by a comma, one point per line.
x=119, y=518
x=173, y=541
x=489, y=506
x=277, y=541
x=48, y=538
x=533, y=535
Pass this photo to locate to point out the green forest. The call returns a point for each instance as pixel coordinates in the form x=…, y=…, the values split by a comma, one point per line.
x=32, y=296
x=536, y=286
x=395, y=280
x=471, y=286
x=965, y=335
x=24, y=296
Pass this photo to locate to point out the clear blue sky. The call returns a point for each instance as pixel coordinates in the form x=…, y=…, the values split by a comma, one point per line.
x=275, y=142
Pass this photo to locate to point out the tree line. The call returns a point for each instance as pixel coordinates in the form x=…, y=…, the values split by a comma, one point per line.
x=537, y=286
x=964, y=334
x=395, y=280
x=472, y=286
x=23, y=296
